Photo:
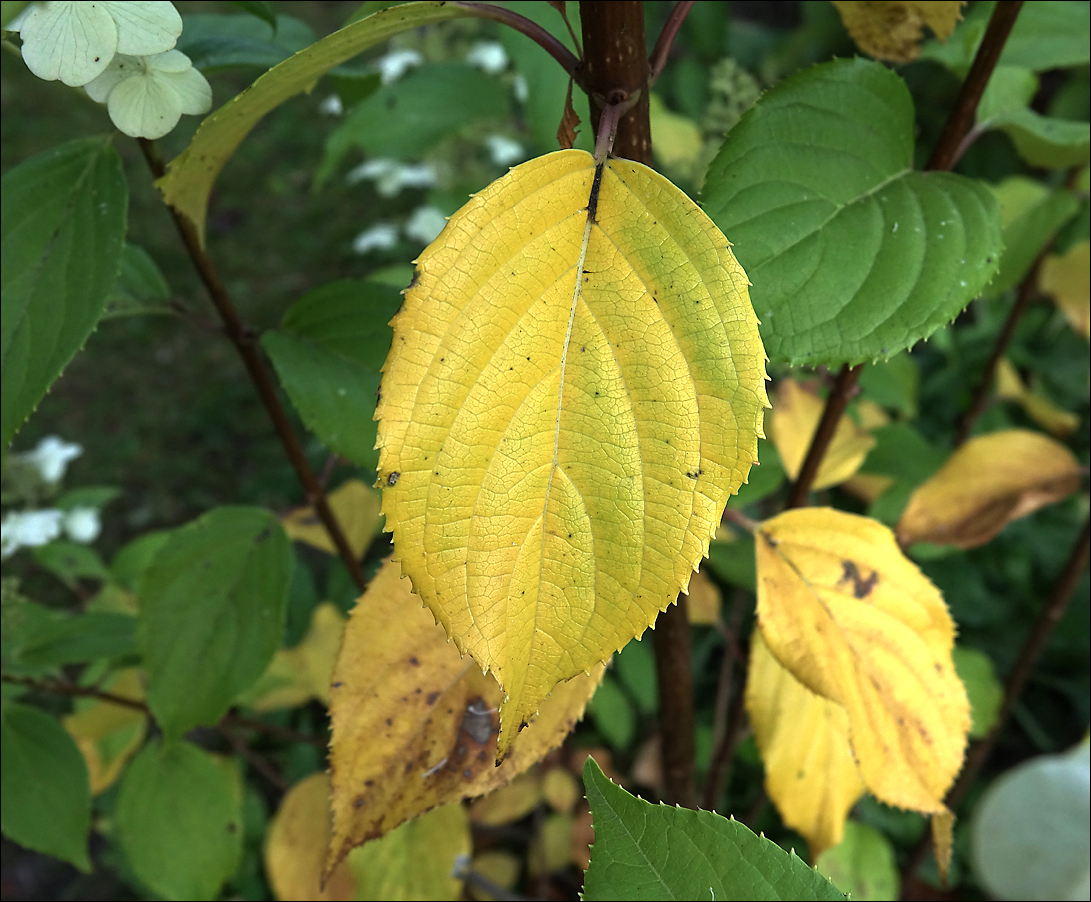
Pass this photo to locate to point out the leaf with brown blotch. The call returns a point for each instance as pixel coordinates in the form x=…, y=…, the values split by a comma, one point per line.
x=566, y=131
x=810, y=773
x=892, y=31
x=988, y=482
x=795, y=418
x=856, y=622
x=415, y=725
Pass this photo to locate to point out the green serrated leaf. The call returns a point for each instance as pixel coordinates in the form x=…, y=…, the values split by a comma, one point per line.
x=1032, y=215
x=328, y=354
x=216, y=42
x=70, y=562
x=212, y=613
x=862, y=863
x=179, y=820
x=77, y=640
x=1043, y=140
x=141, y=286
x=644, y=851
x=404, y=120
x=612, y=714
x=45, y=797
x=852, y=255
x=259, y=9
x=63, y=223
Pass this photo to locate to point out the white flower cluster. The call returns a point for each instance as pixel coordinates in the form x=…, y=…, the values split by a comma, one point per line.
x=122, y=54
x=31, y=528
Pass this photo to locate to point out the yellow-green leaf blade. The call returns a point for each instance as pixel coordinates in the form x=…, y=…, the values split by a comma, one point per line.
x=190, y=176
x=556, y=456
x=856, y=622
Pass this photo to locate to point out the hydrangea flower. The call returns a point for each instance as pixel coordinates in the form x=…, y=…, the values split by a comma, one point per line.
x=147, y=95
x=75, y=41
x=488, y=56
x=28, y=529
x=82, y=524
x=390, y=176
x=425, y=224
x=504, y=151
x=380, y=237
x=51, y=456
x=396, y=63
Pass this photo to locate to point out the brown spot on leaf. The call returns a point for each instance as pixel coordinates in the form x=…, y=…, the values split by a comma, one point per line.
x=861, y=588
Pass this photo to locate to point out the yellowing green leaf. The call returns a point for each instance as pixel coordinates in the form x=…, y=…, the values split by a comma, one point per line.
x=560, y=790
x=1054, y=419
x=988, y=482
x=892, y=31
x=568, y=403
x=414, y=725
x=857, y=623
x=499, y=867
x=676, y=139
x=357, y=510
x=508, y=803
x=795, y=418
x=810, y=773
x=296, y=843
x=1067, y=279
x=703, y=602
x=191, y=174
x=419, y=860
x=298, y=674
x=107, y=734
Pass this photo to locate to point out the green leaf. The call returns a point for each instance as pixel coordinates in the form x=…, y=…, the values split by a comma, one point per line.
x=128, y=566
x=635, y=667
x=46, y=794
x=1043, y=140
x=96, y=496
x=190, y=176
x=216, y=42
x=763, y=479
x=644, y=851
x=862, y=864
x=259, y=9
x=1032, y=215
x=141, y=286
x=71, y=562
x=212, y=613
x=79, y=639
x=179, y=820
x=893, y=384
x=852, y=255
x=328, y=354
x=63, y=223
x=613, y=715
x=406, y=119
x=733, y=562
x=975, y=669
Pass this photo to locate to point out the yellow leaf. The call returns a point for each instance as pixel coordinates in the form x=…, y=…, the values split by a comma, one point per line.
x=676, y=139
x=551, y=849
x=1010, y=386
x=417, y=861
x=868, y=486
x=499, y=867
x=107, y=734
x=943, y=828
x=508, y=803
x=575, y=388
x=871, y=415
x=296, y=842
x=1068, y=279
x=795, y=419
x=357, y=510
x=296, y=675
x=988, y=482
x=857, y=623
x=561, y=790
x=892, y=31
x=703, y=603
x=414, y=725
x=803, y=738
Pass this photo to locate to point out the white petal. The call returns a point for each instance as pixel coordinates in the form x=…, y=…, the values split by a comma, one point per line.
x=83, y=524
x=381, y=236
x=51, y=457
x=17, y=23
x=193, y=89
x=120, y=68
x=170, y=61
x=425, y=224
x=69, y=40
x=144, y=106
x=144, y=27
x=489, y=56
x=396, y=63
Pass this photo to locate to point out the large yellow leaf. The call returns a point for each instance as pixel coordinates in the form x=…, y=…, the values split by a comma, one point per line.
x=414, y=725
x=795, y=419
x=1068, y=279
x=857, y=623
x=810, y=773
x=988, y=482
x=892, y=31
x=575, y=388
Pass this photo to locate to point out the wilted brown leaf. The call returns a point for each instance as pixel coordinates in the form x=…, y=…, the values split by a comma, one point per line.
x=892, y=31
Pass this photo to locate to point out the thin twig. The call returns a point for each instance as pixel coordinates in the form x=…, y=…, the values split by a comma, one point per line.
x=665, y=41
x=256, y=761
x=532, y=30
x=561, y=8
x=944, y=155
x=1048, y=618
x=741, y=520
x=836, y=403
x=727, y=716
x=58, y=687
x=245, y=343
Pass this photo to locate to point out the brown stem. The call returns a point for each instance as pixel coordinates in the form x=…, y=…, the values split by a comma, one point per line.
x=835, y=406
x=944, y=155
x=1048, y=618
x=728, y=718
x=666, y=37
x=616, y=68
x=245, y=343
x=980, y=399
x=532, y=30
x=615, y=71
x=57, y=687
